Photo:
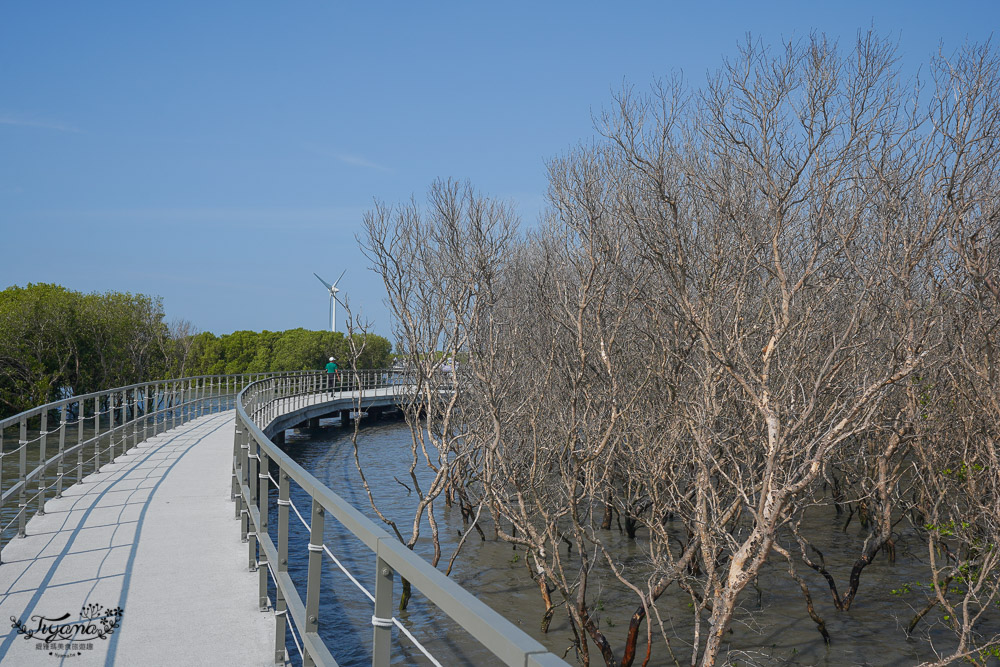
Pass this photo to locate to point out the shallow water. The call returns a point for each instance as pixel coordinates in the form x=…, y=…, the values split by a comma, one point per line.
x=772, y=627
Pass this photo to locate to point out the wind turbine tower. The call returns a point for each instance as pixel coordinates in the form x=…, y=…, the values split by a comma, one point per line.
x=333, y=298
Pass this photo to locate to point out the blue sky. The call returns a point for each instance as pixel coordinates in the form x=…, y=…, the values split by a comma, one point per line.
x=217, y=153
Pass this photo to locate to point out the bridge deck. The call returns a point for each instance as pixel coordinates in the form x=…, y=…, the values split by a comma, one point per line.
x=154, y=534
x=293, y=410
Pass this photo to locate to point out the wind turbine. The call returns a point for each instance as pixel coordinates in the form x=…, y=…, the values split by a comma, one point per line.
x=333, y=298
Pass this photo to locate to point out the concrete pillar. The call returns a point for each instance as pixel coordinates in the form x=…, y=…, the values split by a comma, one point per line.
x=314, y=422
x=345, y=417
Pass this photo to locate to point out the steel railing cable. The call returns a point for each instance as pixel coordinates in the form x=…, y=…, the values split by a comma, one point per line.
x=121, y=418
x=334, y=558
x=274, y=404
x=291, y=622
x=395, y=621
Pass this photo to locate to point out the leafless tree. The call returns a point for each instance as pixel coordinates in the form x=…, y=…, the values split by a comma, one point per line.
x=745, y=305
x=436, y=265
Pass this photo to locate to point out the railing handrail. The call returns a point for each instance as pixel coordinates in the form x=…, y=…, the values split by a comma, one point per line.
x=121, y=417
x=7, y=422
x=491, y=629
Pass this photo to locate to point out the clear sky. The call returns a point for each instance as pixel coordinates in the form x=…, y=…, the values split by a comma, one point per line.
x=217, y=153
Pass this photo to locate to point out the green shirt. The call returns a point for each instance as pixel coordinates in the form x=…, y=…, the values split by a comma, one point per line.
x=331, y=367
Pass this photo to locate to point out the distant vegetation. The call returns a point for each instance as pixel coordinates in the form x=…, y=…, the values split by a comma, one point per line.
x=291, y=350
x=55, y=340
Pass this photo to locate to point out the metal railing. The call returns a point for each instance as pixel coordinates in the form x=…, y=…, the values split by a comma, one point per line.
x=66, y=440
x=254, y=454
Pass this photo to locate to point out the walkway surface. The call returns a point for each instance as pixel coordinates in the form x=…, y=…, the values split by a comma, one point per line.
x=152, y=534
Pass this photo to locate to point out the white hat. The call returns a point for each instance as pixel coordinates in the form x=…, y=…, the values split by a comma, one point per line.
x=331, y=358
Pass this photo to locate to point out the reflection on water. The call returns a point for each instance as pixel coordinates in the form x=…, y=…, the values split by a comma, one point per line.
x=773, y=627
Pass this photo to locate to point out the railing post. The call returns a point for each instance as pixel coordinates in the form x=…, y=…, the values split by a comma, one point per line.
x=128, y=425
x=137, y=429
x=22, y=501
x=159, y=408
x=112, y=429
x=115, y=429
x=251, y=500
x=132, y=425
x=245, y=501
x=120, y=430
x=382, y=619
x=262, y=505
x=1, y=478
x=253, y=460
x=40, y=482
x=145, y=412
x=280, y=607
x=60, y=468
x=237, y=448
x=1, y=486
x=97, y=433
x=81, y=407
x=315, y=572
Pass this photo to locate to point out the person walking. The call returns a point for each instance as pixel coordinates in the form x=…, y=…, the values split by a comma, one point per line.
x=331, y=374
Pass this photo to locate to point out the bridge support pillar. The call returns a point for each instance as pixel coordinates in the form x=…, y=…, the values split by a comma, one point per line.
x=345, y=417
x=279, y=438
x=314, y=422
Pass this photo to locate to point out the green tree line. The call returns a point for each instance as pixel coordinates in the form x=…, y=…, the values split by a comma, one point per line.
x=56, y=341
x=291, y=350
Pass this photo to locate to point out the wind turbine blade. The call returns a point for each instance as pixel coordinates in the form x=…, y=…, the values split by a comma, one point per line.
x=328, y=285
x=338, y=279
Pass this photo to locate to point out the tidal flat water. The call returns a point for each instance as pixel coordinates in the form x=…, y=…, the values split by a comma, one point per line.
x=771, y=628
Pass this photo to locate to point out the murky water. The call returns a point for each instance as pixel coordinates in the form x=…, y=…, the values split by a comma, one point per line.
x=773, y=627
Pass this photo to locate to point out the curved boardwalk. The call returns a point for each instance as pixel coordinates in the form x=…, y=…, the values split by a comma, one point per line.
x=154, y=534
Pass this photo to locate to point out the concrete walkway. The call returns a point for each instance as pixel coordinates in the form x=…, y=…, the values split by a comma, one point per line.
x=153, y=534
